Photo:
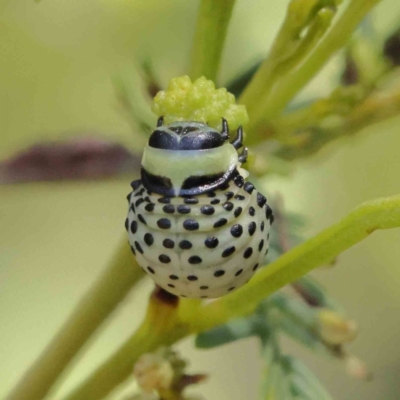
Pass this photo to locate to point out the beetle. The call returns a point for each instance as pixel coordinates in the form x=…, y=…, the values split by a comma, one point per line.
x=197, y=227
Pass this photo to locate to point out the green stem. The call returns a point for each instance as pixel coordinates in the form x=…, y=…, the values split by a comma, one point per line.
x=209, y=39
x=272, y=104
x=372, y=215
x=378, y=214
x=160, y=327
x=93, y=309
x=376, y=108
x=288, y=51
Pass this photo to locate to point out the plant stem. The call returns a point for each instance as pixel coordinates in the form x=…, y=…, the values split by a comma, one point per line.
x=271, y=105
x=160, y=327
x=104, y=296
x=365, y=219
x=376, y=108
x=378, y=214
x=289, y=49
x=209, y=39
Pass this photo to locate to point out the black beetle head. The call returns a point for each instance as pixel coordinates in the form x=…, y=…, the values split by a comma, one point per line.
x=187, y=135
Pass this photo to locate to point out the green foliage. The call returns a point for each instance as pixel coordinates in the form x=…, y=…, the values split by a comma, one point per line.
x=312, y=32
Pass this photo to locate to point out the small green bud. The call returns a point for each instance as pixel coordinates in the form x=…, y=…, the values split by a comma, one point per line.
x=185, y=100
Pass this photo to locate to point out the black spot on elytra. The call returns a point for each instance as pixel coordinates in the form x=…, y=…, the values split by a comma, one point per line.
x=228, y=195
x=239, y=181
x=191, y=225
x=237, y=212
x=164, y=223
x=220, y=222
x=164, y=258
x=134, y=227
x=190, y=200
x=207, y=210
x=169, y=208
x=248, y=252
x=228, y=251
x=194, y=260
x=148, y=239
x=138, y=247
x=211, y=242
x=252, y=228
x=249, y=187
x=185, y=245
x=228, y=206
x=149, y=207
x=168, y=243
x=236, y=230
x=141, y=219
x=183, y=209
x=261, y=200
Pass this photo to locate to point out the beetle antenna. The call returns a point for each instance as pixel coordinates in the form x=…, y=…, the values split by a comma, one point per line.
x=160, y=121
x=225, y=129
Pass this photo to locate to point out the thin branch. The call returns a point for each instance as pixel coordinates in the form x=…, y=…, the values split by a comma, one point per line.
x=273, y=103
x=191, y=318
x=101, y=300
x=359, y=224
x=160, y=327
x=212, y=26
x=290, y=47
x=376, y=108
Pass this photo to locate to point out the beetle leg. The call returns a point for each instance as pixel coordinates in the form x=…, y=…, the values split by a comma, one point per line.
x=238, y=142
x=243, y=155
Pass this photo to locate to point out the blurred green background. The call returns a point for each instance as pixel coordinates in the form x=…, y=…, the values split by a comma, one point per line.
x=56, y=63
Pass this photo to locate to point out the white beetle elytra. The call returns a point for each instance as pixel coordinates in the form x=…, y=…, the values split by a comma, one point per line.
x=196, y=227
